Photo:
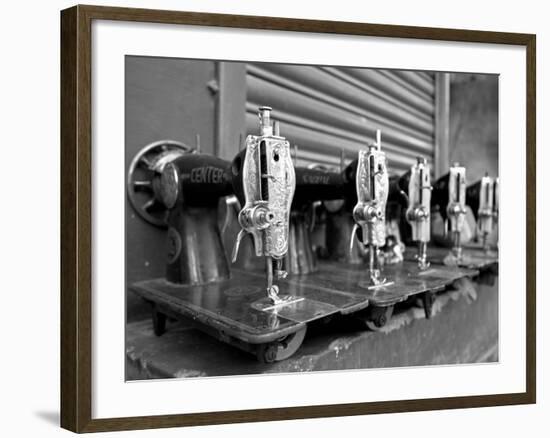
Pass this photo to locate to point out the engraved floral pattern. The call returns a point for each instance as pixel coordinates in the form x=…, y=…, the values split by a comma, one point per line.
x=374, y=231
x=280, y=178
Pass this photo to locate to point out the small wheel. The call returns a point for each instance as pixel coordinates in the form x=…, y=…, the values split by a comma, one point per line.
x=283, y=349
x=159, y=323
x=267, y=353
x=378, y=317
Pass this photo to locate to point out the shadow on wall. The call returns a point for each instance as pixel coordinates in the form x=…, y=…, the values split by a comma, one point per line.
x=474, y=124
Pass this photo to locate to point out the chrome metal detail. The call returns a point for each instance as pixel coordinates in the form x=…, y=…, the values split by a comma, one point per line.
x=456, y=208
x=269, y=182
x=369, y=214
x=485, y=213
x=418, y=211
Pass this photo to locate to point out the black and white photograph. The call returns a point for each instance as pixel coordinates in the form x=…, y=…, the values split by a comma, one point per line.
x=287, y=218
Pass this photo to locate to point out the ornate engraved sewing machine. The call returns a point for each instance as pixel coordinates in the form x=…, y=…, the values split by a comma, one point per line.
x=482, y=198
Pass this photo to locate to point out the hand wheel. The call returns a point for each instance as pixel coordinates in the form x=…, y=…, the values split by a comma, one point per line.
x=144, y=178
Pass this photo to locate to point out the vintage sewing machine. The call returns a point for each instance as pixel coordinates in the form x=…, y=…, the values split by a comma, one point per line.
x=450, y=199
x=409, y=200
x=482, y=198
x=255, y=310
x=418, y=211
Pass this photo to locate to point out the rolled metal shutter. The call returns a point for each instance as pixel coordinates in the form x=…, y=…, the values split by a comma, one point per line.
x=330, y=112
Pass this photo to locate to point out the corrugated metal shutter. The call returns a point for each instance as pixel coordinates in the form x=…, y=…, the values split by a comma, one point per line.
x=327, y=110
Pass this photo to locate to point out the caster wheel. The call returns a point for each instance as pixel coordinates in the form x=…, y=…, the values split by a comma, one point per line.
x=378, y=317
x=159, y=323
x=282, y=349
x=267, y=353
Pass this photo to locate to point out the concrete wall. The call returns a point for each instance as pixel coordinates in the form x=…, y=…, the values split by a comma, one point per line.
x=474, y=124
x=165, y=98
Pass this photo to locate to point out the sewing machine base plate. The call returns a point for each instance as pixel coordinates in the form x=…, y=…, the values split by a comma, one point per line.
x=403, y=280
x=236, y=311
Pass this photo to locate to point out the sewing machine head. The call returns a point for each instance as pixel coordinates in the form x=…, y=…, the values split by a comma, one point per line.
x=456, y=207
x=265, y=184
x=481, y=197
x=372, y=185
x=485, y=211
x=418, y=211
x=496, y=189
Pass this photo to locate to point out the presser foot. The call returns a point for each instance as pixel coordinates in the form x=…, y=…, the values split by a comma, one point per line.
x=454, y=258
x=280, y=274
x=375, y=281
x=423, y=264
x=274, y=301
